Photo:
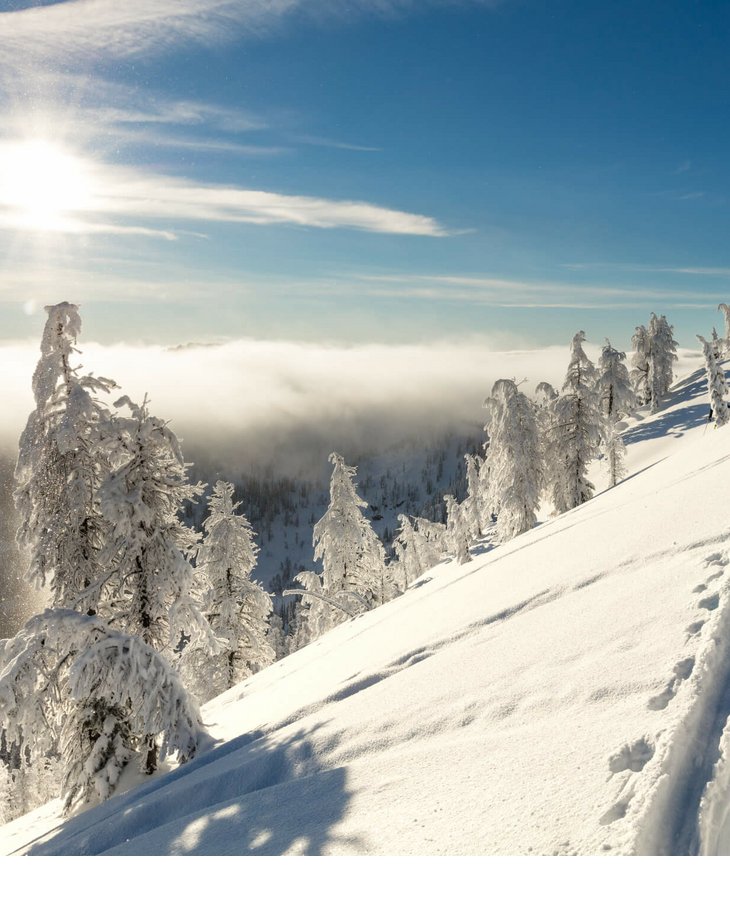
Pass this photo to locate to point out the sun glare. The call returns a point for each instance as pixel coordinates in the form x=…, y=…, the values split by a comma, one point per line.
x=43, y=184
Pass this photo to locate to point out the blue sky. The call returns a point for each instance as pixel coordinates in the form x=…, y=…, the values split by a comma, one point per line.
x=364, y=171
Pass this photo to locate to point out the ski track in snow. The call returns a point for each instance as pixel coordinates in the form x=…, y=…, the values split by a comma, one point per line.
x=674, y=811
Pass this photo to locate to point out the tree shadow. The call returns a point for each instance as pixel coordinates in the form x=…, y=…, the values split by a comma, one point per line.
x=674, y=421
x=254, y=795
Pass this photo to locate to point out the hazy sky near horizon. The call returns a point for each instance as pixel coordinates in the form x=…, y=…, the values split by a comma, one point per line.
x=360, y=171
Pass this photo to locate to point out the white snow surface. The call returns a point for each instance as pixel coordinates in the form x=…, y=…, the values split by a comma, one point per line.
x=565, y=693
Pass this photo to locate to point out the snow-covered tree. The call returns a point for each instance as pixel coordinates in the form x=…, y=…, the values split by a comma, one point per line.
x=663, y=357
x=613, y=384
x=62, y=461
x=616, y=398
x=474, y=513
x=412, y=552
x=63, y=659
x=716, y=386
x=237, y=607
x=354, y=576
x=577, y=432
x=147, y=557
x=457, y=531
x=614, y=451
x=515, y=464
x=149, y=575
x=641, y=362
x=653, y=360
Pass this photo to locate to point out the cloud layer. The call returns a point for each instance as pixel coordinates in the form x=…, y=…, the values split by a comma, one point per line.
x=288, y=404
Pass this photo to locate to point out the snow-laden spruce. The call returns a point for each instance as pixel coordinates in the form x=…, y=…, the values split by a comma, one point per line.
x=418, y=546
x=515, y=464
x=354, y=576
x=147, y=557
x=641, y=364
x=237, y=607
x=655, y=352
x=62, y=460
x=616, y=398
x=122, y=689
x=716, y=386
x=474, y=507
x=663, y=357
x=613, y=384
x=457, y=530
x=576, y=432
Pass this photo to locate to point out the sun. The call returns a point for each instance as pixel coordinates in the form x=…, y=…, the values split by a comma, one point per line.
x=43, y=185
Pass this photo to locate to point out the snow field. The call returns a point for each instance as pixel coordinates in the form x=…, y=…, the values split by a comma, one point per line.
x=559, y=694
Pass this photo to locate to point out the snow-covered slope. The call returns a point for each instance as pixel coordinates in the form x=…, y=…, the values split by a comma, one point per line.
x=564, y=693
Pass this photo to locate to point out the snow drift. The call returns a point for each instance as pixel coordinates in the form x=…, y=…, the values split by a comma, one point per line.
x=565, y=693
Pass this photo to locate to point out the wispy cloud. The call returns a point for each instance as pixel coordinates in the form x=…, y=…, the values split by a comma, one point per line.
x=336, y=145
x=81, y=28
x=519, y=293
x=120, y=198
x=709, y=271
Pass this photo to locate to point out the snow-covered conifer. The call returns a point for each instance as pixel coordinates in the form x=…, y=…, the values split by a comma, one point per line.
x=457, y=531
x=616, y=397
x=641, y=362
x=147, y=556
x=407, y=546
x=429, y=541
x=354, y=576
x=613, y=384
x=63, y=659
x=716, y=386
x=577, y=431
x=515, y=464
x=614, y=451
x=61, y=463
x=237, y=607
x=473, y=505
x=663, y=357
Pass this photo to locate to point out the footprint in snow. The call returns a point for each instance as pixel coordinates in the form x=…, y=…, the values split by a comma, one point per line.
x=631, y=756
x=682, y=671
x=710, y=603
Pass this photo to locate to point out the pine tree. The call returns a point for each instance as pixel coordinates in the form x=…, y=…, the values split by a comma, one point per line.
x=475, y=518
x=237, y=607
x=616, y=397
x=716, y=386
x=516, y=471
x=148, y=553
x=641, y=362
x=147, y=557
x=457, y=532
x=653, y=360
x=62, y=460
x=412, y=562
x=613, y=384
x=576, y=431
x=663, y=357
x=63, y=657
x=354, y=576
